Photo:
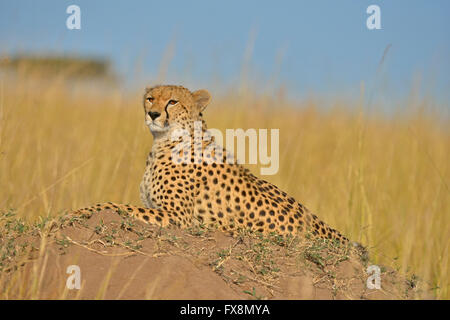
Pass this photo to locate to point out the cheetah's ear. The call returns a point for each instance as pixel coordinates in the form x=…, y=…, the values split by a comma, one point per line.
x=201, y=98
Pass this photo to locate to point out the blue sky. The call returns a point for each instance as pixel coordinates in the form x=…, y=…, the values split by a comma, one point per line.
x=311, y=46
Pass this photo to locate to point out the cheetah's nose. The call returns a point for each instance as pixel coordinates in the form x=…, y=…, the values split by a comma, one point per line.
x=154, y=115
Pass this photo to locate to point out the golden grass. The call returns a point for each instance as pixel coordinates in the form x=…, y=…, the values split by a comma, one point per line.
x=381, y=180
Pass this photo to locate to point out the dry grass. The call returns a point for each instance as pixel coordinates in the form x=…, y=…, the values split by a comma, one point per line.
x=381, y=180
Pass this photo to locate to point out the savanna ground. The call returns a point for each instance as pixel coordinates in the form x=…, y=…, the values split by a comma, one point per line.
x=382, y=180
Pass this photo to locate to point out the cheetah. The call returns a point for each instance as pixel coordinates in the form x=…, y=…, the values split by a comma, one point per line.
x=215, y=193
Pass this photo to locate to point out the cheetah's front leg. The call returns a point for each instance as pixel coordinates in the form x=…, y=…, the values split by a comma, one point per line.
x=159, y=217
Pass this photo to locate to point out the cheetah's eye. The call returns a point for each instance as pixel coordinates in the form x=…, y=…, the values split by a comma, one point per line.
x=150, y=99
x=172, y=102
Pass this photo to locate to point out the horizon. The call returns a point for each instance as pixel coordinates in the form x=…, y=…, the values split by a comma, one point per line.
x=320, y=48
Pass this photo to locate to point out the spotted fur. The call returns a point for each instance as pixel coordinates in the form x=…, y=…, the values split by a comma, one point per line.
x=223, y=195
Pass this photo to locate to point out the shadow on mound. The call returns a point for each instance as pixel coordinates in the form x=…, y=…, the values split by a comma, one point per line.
x=120, y=258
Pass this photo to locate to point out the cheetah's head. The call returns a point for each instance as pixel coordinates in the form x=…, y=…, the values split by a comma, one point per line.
x=170, y=106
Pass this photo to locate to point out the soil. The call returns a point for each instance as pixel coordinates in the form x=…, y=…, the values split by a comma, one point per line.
x=120, y=258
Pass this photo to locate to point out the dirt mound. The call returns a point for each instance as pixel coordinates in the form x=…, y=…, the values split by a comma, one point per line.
x=119, y=258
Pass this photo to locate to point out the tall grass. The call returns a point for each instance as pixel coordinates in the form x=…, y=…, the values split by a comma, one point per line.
x=382, y=180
